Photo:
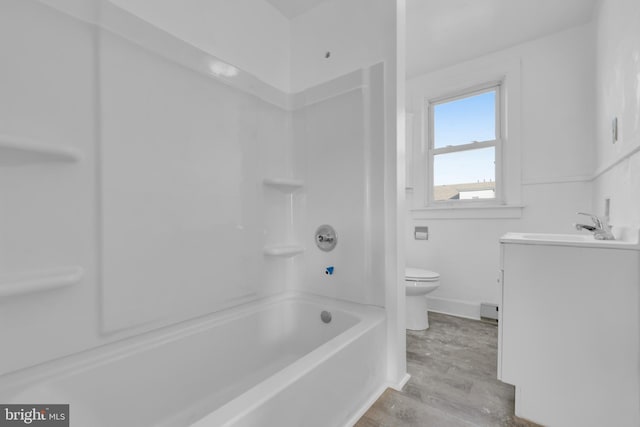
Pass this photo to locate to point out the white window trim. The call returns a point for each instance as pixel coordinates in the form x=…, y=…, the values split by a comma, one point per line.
x=497, y=143
x=442, y=84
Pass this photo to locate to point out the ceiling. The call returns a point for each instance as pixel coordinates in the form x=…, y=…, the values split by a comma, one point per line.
x=444, y=32
x=293, y=8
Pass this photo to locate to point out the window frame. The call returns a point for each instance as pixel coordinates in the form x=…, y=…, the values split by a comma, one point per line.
x=498, y=143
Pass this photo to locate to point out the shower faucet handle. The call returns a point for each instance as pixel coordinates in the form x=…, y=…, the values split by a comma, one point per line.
x=325, y=238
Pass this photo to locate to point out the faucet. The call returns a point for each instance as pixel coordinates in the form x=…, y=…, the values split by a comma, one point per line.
x=601, y=229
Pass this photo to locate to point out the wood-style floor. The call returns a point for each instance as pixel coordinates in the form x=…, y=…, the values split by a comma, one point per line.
x=453, y=380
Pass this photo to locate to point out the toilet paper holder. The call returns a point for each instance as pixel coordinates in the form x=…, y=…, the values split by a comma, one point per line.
x=421, y=233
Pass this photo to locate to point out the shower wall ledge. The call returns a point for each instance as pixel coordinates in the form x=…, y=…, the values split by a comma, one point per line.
x=39, y=281
x=284, y=251
x=286, y=185
x=15, y=151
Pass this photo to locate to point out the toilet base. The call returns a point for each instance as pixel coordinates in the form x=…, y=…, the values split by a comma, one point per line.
x=416, y=311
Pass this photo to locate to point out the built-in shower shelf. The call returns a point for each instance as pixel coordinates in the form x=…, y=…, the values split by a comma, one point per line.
x=286, y=185
x=284, y=251
x=16, y=151
x=39, y=281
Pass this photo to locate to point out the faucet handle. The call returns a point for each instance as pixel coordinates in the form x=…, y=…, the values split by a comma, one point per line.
x=596, y=219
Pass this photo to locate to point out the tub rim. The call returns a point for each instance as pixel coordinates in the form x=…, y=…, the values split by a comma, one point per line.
x=236, y=408
x=101, y=355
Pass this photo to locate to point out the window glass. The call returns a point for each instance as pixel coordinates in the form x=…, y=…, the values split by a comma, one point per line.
x=465, y=120
x=465, y=175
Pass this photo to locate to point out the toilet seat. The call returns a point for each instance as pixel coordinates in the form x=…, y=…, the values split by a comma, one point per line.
x=420, y=275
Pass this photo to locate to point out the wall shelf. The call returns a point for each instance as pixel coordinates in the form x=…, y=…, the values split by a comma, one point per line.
x=15, y=151
x=39, y=281
x=286, y=185
x=284, y=251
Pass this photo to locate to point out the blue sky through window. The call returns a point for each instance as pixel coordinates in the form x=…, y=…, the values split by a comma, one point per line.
x=464, y=121
x=465, y=167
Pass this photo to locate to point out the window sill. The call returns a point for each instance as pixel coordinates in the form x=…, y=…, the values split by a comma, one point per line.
x=468, y=212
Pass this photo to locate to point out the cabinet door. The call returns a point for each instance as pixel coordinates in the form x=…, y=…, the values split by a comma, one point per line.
x=570, y=334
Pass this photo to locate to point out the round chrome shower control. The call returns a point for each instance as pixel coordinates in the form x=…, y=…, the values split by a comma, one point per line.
x=326, y=238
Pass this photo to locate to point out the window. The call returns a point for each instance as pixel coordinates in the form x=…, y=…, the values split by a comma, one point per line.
x=465, y=147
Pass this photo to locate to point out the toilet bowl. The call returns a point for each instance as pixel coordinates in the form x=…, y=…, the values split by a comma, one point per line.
x=418, y=283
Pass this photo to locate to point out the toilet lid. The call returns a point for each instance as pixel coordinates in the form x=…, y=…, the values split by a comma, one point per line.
x=419, y=274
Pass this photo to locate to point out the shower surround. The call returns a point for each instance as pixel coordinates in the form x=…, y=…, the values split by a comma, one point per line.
x=153, y=189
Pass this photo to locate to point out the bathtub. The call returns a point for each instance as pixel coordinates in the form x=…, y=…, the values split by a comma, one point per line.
x=272, y=362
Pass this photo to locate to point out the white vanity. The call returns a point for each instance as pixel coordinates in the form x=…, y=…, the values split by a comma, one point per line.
x=569, y=328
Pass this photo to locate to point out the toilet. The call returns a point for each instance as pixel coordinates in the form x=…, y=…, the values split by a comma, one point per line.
x=418, y=283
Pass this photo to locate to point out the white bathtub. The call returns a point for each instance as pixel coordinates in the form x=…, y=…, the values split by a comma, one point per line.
x=267, y=363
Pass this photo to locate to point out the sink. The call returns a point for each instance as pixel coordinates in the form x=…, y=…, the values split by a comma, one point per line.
x=626, y=238
x=559, y=237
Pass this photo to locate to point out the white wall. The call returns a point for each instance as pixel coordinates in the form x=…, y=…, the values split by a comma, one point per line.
x=250, y=34
x=360, y=187
x=47, y=85
x=557, y=158
x=163, y=211
x=442, y=34
x=618, y=95
x=355, y=32
x=182, y=159
x=356, y=40
x=340, y=156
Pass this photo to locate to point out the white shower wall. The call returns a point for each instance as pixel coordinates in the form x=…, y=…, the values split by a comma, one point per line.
x=162, y=211
x=250, y=34
x=340, y=154
x=182, y=159
x=165, y=213
x=360, y=195
x=47, y=87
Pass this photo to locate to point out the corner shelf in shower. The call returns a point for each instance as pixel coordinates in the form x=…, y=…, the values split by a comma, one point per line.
x=284, y=251
x=15, y=151
x=286, y=185
x=39, y=281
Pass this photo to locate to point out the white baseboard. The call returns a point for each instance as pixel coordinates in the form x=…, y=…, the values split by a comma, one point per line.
x=460, y=308
x=400, y=384
x=375, y=396
x=364, y=408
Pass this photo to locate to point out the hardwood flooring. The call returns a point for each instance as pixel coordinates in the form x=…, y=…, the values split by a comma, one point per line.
x=453, y=380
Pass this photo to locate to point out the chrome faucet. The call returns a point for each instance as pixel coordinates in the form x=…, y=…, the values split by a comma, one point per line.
x=601, y=229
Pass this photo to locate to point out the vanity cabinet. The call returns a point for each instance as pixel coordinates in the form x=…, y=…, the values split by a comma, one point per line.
x=569, y=329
